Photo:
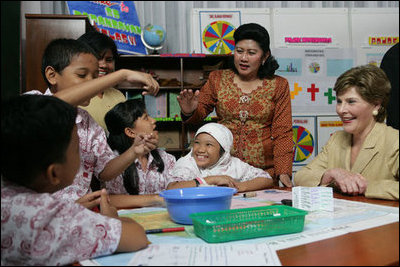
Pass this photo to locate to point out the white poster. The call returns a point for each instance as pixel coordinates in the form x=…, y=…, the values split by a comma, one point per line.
x=312, y=73
x=304, y=140
x=212, y=29
x=216, y=31
x=326, y=126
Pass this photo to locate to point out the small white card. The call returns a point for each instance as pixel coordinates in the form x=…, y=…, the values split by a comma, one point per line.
x=312, y=198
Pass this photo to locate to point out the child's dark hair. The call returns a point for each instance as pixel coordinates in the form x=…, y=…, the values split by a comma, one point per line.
x=59, y=53
x=100, y=43
x=124, y=115
x=35, y=133
x=258, y=33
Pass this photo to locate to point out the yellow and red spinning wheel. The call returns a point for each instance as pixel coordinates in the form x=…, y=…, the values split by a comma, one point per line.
x=303, y=143
x=218, y=37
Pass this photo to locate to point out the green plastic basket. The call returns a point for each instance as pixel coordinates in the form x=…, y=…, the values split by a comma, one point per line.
x=236, y=224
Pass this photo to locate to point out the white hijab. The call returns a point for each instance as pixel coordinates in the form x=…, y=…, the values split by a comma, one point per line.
x=187, y=169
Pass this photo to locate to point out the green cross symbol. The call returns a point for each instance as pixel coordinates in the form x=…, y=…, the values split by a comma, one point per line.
x=330, y=96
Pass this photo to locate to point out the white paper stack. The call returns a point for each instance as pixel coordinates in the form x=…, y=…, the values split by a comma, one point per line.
x=312, y=198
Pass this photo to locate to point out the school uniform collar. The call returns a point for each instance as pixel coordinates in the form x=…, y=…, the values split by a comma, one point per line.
x=149, y=162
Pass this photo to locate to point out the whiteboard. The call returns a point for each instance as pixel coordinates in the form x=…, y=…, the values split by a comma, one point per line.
x=311, y=22
x=372, y=22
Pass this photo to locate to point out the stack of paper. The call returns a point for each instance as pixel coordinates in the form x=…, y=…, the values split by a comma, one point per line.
x=312, y=198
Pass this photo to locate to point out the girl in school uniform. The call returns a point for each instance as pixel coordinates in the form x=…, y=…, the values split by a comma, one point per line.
x=151, y=172
x=210, y=162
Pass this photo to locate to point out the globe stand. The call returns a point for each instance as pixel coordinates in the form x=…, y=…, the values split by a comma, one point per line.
x=152, y=50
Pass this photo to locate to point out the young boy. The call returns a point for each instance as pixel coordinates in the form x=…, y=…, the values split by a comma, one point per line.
x=70, y=68
x=40, y=155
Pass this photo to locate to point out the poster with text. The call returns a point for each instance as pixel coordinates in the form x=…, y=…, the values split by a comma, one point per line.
x=117, y=19
x=304, y=140
x=326, y=126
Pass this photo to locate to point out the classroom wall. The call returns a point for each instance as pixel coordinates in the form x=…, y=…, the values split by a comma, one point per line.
x=313, y=46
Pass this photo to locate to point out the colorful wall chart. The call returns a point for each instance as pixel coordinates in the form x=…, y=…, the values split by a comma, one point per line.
x=303, y=144
x=216, y=31
x=311, y=74
x=304, y=140
x=117, y=19
x=218, y=37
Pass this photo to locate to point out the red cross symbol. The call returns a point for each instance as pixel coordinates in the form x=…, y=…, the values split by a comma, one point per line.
x=313, y=90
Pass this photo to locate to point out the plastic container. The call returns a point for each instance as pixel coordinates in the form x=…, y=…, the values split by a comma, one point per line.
x=236, y=224
x=184, y=201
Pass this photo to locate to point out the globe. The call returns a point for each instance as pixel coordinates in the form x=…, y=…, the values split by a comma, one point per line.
x=153, y=36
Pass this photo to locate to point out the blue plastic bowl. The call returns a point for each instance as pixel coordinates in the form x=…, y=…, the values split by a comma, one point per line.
x=184, y=201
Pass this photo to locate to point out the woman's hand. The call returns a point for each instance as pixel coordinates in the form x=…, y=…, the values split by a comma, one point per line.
x=90, y=200
x=285, y=179
x=188, y=101
x=348, y=182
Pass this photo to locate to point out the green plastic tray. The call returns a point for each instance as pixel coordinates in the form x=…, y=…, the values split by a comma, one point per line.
x=237, y=224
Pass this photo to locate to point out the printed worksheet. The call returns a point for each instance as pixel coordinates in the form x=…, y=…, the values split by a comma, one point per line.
x=206, y=255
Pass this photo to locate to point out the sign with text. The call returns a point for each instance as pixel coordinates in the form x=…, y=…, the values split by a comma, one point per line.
x=117, y=19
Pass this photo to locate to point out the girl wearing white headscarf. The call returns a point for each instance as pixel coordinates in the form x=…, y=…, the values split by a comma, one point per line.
x=210, y=163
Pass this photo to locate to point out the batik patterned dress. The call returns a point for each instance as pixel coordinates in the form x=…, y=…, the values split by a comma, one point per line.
x=260, y=121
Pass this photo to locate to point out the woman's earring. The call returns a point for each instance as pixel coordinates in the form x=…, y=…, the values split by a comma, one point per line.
x=375, y=112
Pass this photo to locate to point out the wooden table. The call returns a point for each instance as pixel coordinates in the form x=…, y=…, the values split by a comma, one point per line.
x=377, y=246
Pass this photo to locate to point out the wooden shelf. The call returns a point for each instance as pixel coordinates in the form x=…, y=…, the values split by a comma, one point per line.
x=185, y=72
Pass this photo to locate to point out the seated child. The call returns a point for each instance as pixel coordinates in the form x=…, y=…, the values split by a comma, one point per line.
x=70, y=68
x=152, y=171
x=40, y=155
x=210, y=162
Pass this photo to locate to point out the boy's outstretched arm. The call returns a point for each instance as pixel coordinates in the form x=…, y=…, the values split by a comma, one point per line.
x=77, y=94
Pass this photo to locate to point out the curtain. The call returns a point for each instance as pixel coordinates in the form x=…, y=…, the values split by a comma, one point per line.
x=175, y=16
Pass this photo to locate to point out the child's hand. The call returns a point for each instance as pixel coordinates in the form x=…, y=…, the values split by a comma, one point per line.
x=144, y=143
x=105, y=206
x=150, y=84
x=221, y=180
x=90, y=200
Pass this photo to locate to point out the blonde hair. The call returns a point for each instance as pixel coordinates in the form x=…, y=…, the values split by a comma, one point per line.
x=370, y=82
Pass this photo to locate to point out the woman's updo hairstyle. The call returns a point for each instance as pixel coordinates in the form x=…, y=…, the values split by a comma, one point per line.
x=258, y=33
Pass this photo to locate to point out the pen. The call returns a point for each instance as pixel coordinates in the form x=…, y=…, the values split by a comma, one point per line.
x=165, y=230
x=250, y=194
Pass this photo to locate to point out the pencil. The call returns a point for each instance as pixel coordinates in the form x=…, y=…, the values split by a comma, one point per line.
x=165, y=230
